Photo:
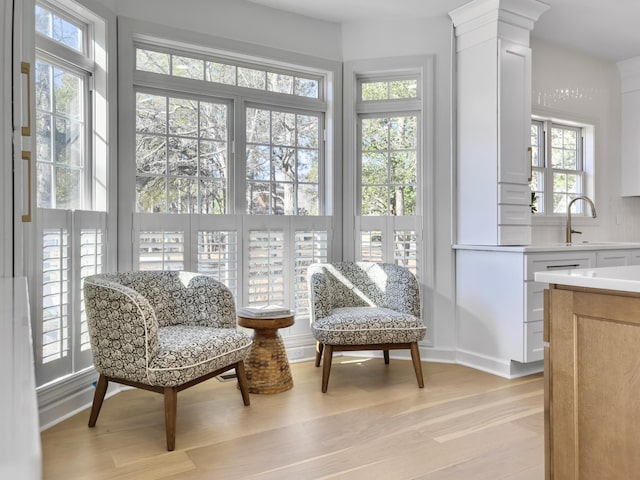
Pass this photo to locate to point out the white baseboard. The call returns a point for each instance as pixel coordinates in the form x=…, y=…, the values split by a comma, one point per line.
x=60, y=400
x=507, y=369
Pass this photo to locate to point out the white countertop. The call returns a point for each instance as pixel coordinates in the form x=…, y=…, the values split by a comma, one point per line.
x=626, y=279
x=553, y=247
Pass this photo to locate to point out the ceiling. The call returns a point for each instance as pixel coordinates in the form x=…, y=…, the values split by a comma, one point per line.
x=607, y=29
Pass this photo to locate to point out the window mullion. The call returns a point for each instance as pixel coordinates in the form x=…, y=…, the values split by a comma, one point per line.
x=548, y=177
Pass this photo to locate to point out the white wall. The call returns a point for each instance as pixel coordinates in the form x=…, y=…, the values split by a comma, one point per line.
x=567, y=83
x=241, y=21
x=429, y=36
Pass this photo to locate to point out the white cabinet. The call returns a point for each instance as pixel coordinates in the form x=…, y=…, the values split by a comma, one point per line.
x=614, y=258
x=494, y=111
x=493, y=99
x=630, y=167
x=499, y=306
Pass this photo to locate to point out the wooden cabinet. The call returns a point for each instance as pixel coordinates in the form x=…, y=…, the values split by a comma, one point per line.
x=592, y=378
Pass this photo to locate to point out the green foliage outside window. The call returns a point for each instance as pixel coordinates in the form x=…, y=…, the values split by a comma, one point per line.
x=389, y=165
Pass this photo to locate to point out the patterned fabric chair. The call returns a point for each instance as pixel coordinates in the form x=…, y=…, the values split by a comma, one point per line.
x=164, y=332
x=364, y=306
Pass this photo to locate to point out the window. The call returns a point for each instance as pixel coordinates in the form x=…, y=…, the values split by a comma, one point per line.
x=224, y=72
x=71, y=177
x=388, y=165
x=182, y=147
x=230, y=155
x=389, y=155
x=61, y=99
x=559, y=166
x=283, y=153
x=61, y=28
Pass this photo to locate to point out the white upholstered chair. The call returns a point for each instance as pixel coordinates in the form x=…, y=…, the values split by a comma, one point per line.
x=164, y=332
x=364, y=306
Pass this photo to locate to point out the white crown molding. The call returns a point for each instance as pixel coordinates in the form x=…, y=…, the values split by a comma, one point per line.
x=483, y=20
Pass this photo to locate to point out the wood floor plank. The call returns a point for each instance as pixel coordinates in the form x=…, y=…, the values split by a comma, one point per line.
x=374, y=422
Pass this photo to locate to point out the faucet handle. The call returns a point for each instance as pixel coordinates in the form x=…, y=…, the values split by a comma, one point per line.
x=576, y=231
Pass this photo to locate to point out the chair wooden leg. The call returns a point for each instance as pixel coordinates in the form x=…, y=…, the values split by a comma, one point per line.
x=386, y=356
x=326, y=367
x=319, y=348
x=242, y=382
x=170, y=410
x=417, y=364
x=98, y=397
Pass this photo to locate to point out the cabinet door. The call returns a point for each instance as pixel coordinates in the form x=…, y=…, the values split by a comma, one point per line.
x=630, y=183
x=594, y=386
x=613, y=258
x=514, y=107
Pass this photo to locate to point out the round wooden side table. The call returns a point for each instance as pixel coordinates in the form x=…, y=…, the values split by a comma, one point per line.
x=267, y=366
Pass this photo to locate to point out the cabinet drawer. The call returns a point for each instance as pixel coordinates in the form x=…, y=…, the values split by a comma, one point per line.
x=534, y=301
x=514, y=215
x=538, y=262
x=533, y=344
x=514, y=194
x=514, y=235
x=613, y=258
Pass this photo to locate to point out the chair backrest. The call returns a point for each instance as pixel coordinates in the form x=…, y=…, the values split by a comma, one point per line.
x=185, y=298
x=359, y=284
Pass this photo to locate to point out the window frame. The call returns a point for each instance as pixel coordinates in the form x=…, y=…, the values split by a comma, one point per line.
x=87, y=166
x=74, y=18
x=97, y=212
x=422, y=223
x=134, y=34
x=172, y=94
x=242, y=98
x=377, y=113
x=242, y=179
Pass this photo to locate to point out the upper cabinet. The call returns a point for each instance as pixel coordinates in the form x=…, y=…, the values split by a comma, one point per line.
x=630, y=76
x=493, y=114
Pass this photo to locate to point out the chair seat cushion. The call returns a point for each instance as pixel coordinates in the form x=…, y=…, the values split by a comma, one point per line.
x=187, y=352
x=368, y=326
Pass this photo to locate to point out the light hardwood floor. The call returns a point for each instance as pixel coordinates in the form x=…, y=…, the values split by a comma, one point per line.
x=374, y=423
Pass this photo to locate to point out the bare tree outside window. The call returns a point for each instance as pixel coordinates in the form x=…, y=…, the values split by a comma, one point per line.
x=181, y=155
x=282, y=162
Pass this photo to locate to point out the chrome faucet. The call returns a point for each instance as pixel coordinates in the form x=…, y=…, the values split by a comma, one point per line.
x=593, y=214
